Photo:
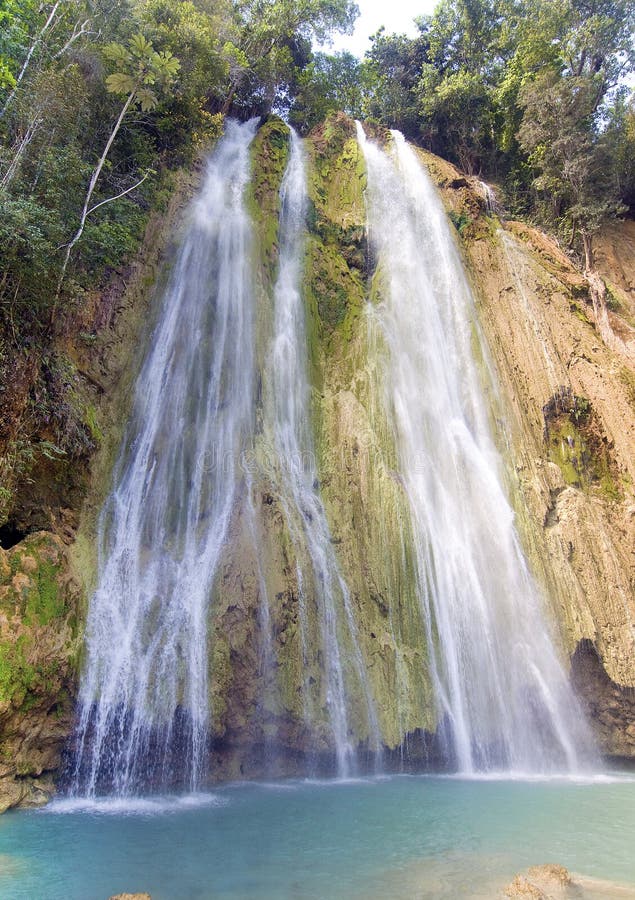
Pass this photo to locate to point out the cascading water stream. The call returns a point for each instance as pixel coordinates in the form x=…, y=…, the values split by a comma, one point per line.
x=144, y=697
x=503, y=698
x=304, y=511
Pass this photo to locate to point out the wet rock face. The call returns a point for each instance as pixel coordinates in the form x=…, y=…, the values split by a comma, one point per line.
x=568, y=429
x=609, y=705
x=38, y=647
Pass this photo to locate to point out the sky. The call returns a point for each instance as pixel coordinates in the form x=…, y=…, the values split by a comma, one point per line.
x=396, y=15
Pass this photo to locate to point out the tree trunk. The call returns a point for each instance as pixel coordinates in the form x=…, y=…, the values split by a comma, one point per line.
x=574, y=234
x=589, y=260
x=89, y=194
x=229, y=99
x=30, y=133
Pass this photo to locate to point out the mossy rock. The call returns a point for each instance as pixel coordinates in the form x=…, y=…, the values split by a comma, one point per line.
x=577, y=445
x=337, y=250
x=37, y=619
x=269, y=156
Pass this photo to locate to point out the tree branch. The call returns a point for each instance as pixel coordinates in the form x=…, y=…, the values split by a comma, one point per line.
x=117, y=196
x=78, y=31
x=89, y=194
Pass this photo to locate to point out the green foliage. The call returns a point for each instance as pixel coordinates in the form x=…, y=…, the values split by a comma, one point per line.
x=457, y=106
x=459, y=220
x=523, y=91
x=137, y=66
x=573, y=177
x=390, y=73
x=271, y=45
x=70, y=131
x=619, y=139
x=99, y=103
x=18, y=20
x=327, y=84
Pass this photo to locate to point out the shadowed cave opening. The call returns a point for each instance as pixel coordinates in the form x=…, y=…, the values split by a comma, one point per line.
x=10, y=536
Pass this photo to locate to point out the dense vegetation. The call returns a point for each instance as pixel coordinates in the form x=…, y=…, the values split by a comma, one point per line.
x=98, y=97
x=102, y=100
x=529, y=93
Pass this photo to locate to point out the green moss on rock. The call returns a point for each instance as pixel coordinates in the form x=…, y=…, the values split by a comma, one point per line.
x=269, y=155
x=17, y=676
x=337, y=253
x=578, y=447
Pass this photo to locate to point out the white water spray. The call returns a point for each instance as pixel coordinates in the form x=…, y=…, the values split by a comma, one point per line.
x=503, y=698
x=144, y=701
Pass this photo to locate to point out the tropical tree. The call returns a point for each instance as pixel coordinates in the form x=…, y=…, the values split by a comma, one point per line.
x=328, y=83
x=35, y=31
x=563, y=126
x=391, y=69
x=272, y=39
x=570, y=158
x=139, y=72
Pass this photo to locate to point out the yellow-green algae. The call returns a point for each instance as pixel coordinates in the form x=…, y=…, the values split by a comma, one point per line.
x=576, y=445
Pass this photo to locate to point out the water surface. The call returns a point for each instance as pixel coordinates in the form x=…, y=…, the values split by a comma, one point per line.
x=399, y=837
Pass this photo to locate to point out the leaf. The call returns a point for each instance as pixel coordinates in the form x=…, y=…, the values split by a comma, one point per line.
x=146, y=99
x=116, y=53
x=234, y=54
x=6, y=78
x=165, y=65
x=140, y=46
x=170, y=65
x=119, y=83
x=50, y=451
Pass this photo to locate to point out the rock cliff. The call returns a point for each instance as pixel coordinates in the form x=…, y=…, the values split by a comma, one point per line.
x=561, y=343
x=567, y=427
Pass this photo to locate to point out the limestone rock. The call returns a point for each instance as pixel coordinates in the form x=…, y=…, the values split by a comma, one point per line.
x=130, y=897
x=573, y=508
x=521, y=887
x=546, y=882
x=550, y=875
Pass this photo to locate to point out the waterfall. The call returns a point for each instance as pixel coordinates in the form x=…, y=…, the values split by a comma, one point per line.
x=299, y=486
x=503, y=698
x=143, y=716
x=182, y=500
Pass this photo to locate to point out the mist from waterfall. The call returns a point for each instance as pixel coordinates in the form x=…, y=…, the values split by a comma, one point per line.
x=323, y=585
x=144, y=701
x=503, y=699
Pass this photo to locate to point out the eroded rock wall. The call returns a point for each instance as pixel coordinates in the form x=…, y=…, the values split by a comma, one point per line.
x=565, y=419
x=567, y=428
x=49, y=507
